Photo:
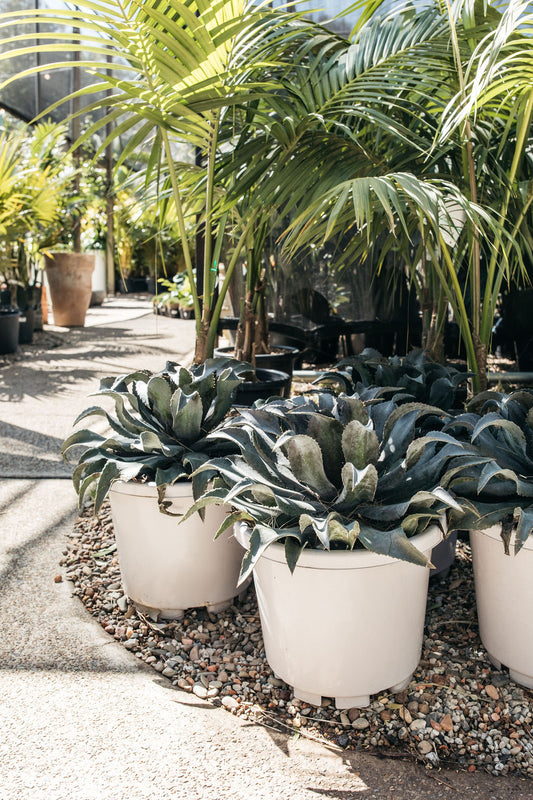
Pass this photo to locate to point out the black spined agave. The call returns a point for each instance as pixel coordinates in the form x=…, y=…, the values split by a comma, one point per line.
x=159, y=427
x=413, y=377
x=330, y=472
x=496, y=481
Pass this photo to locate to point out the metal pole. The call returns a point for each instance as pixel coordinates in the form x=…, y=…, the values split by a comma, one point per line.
x=110, y=205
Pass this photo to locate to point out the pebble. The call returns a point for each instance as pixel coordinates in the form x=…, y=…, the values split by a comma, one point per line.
x=458, y=710
x=424, y=747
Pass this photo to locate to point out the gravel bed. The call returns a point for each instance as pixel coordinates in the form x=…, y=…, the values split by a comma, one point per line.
x=458, y=710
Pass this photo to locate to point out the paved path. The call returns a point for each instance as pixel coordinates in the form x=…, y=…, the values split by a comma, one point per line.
x=81, y=718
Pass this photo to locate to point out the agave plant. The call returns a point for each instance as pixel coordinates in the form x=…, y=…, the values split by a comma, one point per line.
x=496, y=482
x=411, y=377
x=332, y=473
x=159, y=427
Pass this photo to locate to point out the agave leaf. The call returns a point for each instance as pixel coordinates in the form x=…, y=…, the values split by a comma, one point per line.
x=319, y=527
x=442, y=393
x=327, y=431
x=392, y=543
x=418, y=521
x=168, y=475
x=110, y=473
x=90, y=412
x=493, y=420
x=163, y=504
x=352, y=409
x=524, y=526
x=305, y=458
x=159, y=392
x=83, y=438
x=82, y=489
x=84, y=469
x=293, y=550
x=225, y=398
x=186, y=416
x=359, y=486
x=150, y=442
x=261, y=537
x=344, y=534
x=229, y=521
x=360, y=445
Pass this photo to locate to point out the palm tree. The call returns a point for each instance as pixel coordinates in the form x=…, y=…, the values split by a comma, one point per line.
x=178, y=72
x=368, y=144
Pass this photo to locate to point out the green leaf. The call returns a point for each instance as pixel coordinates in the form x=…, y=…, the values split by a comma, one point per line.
x=159, y=393
x=305, y=457
x=360, y=445
x=187, y=415
x=327, y=432
x=392, y=543
x=524, y=526
x=359, y=486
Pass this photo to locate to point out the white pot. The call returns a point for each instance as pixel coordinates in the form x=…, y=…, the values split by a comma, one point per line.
x=166, y=566
x=345, y=624
x=504, y=599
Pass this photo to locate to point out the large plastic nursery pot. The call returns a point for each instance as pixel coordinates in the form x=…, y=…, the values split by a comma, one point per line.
x=344, y=624
x=69, y=278
x=168, y=567
x=9, y=331
x=504, y=600
x=268, y=383
x=283, y=359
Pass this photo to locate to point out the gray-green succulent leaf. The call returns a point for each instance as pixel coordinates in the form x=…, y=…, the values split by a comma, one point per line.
x=160, y=424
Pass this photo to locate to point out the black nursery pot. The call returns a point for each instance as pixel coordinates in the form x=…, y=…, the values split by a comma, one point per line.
x=268, y=383
x=26, y=326
x=9, y=331
x=282, y=361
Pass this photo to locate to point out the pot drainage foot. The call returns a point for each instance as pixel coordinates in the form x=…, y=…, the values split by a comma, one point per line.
x=216, y=608
x=399, y=687
x=172, y=613
x=361, y=701
x=521, y=679
x=308, y=697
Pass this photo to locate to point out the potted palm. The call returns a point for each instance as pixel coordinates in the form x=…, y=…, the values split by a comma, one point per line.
x=179, y=77
x=497, y=482
x=30, y=195
x=338, y=506
x=159, y=437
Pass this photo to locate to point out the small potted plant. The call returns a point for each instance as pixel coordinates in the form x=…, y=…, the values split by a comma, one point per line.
x=413, y=377
x=496, y=482
x=338, y=505
x=159, y=437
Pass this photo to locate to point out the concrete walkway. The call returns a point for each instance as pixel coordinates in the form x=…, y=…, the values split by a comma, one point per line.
x=81, y=718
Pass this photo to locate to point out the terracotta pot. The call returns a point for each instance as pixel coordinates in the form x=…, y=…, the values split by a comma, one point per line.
x=70, y=282
x=345, y=624
x=504, y=600
x=168, y=567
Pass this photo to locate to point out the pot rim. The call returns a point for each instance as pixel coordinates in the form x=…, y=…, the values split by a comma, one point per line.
x=494, y=532
x=149, y=489
x=341, y=559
